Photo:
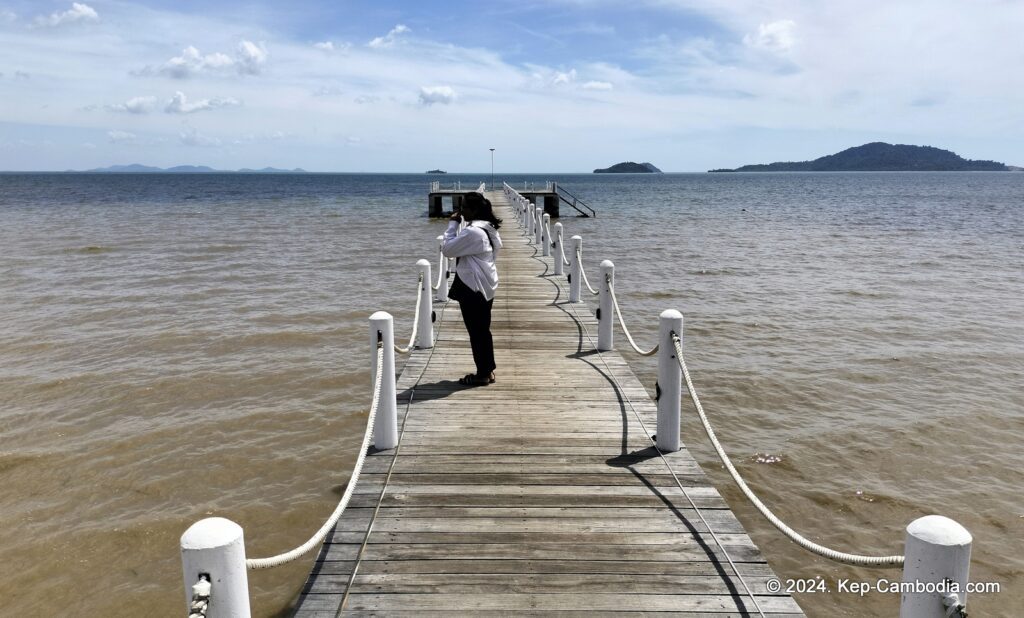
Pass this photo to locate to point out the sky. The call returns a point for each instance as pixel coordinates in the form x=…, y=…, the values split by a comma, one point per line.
x=552, y=86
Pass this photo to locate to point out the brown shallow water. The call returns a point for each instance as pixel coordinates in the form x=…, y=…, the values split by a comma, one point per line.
x=176, y=347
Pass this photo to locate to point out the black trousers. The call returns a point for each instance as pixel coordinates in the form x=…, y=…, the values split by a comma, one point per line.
x=476, y=313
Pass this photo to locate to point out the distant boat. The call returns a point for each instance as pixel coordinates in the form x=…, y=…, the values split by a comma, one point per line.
x=436, y=172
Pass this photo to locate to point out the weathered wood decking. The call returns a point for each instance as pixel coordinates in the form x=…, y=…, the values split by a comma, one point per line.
x=537, y=494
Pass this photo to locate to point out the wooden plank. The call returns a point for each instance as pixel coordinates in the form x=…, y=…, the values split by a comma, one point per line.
x=594, y=583
x=611, y=567
x=540, y=551
x=559, y=602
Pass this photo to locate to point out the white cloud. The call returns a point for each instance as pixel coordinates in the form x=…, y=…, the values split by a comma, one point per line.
x=249, y=60
x=179, y=104
x=195, y=138
x=430, y=95
x=135, y=105
x=191, y=61
x=328, y=91
x=256, y=138
x=121, y=137
x=7, y=16
x=389, y=39
x=777, y=36
x=77, y=13
x=331, y=47
x=561, y=79
x=251, y=57
x=596, y=85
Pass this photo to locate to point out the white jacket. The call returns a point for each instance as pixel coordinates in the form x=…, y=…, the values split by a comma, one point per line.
x=477, y=246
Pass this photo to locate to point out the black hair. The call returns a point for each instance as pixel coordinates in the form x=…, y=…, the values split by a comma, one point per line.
x=482, y=209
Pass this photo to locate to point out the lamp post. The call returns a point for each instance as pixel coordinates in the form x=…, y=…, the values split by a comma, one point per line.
x=492, y=169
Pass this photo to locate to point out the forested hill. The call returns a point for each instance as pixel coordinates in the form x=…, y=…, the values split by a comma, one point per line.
x=880, y=157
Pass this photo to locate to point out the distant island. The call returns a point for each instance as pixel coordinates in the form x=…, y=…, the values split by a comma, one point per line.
x=629, y=168
x=135, y=168
x=881, y=157
x=436, y=172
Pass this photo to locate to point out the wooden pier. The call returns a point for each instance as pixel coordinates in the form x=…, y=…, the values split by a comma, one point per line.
x=540, y=493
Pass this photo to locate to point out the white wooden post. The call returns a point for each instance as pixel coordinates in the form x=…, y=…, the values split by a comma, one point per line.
x=442, y=272
x=544, y=238
x=937, y=550
x=557, y=250
x=385, y=426
x=605, y=311
x=575, y=278
x=670, y=380
x=425, y=334
x=216, y=547
x=539, y=225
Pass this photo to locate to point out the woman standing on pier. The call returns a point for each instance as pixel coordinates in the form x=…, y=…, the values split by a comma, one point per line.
x=476, y=278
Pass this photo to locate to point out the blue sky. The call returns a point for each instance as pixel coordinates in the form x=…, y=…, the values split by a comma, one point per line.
x=556, y=86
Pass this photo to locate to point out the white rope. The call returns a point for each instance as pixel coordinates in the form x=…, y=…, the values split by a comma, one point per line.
x=200, y=597
x=416, y=319
x=579, y=260
x=625, y=330
x=561, y=248
x=440, y=274
x=668, y=465
x=316, y=539
x=820, y=550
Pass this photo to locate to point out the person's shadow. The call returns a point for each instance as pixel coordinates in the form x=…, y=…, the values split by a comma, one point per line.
x=428, y=391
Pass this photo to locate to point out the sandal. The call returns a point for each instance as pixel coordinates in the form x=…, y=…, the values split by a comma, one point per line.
x=471, y=379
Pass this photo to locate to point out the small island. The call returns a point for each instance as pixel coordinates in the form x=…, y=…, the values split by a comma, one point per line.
x=629, y=168
x=436, y=172
x=881, y=157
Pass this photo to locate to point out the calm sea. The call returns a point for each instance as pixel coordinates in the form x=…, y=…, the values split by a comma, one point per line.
x=176, y=346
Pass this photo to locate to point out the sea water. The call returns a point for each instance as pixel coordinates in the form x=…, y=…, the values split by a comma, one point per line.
x=179, y=346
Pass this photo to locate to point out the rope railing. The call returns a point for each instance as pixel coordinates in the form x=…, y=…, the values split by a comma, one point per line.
x=622, y=324
x=843, y=557
x=416, y=319
x=579, y=260
x=811, y=546
x=926, y=557
x=321, y=534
